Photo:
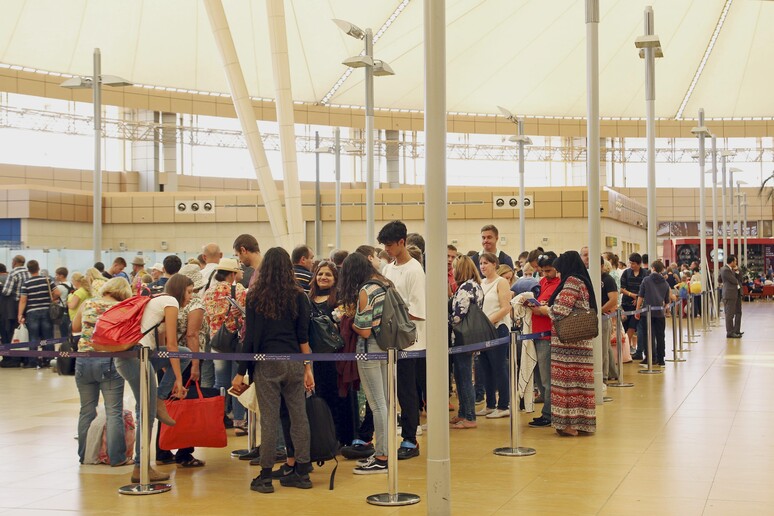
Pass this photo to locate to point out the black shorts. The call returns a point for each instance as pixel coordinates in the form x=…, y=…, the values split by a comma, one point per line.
x=630, y=323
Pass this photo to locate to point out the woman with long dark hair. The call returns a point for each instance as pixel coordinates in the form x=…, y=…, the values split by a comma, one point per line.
x=573, y=408
x=278, y=322
x=323, y=294
x=366, y=300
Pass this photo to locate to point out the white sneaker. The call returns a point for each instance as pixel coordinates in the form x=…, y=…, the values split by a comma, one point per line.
x=366, y=461
x=484, y=411
x=497, y=413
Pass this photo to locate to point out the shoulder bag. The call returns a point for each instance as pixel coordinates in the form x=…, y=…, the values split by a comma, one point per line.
x=226, y=341
x=580, y=324
x=56, y=310
x=324, y=337
x=475, y=327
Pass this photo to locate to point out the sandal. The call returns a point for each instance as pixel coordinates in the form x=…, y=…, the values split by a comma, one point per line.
x=193, y=462
x=565, y=433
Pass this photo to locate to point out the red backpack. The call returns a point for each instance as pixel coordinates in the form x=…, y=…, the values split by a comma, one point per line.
x=119, y=328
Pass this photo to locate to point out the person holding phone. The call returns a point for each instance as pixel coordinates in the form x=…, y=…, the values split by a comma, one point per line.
x=541, y=322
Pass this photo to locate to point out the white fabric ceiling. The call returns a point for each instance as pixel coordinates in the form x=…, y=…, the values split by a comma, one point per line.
x=527, y=55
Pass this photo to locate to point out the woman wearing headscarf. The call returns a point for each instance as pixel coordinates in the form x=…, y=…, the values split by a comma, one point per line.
x=573, y=408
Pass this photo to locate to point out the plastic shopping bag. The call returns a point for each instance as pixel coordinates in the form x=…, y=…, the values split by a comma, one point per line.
x=21, y=334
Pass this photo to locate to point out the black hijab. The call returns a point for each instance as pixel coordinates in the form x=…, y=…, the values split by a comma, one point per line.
x=570, y=264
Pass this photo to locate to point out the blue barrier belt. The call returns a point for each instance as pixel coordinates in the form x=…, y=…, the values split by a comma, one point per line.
x=18, y=345
x=66, y=354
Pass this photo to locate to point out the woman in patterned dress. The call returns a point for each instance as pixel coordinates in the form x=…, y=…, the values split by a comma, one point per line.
x=573, y=407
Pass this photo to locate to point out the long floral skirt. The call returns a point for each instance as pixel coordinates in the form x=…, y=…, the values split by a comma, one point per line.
x=572, y=386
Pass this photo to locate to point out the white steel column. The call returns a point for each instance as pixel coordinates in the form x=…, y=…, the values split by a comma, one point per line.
x=438, y=462
x=369, y=123
x=244, y=109
x=97, y=201
x=278, y=42
x=522, y=222
x=744, y=229
x=650, y=133
x=724, y=239
x=337, y=150
x=702, y=208
x=715, y=271
x=592, y=175
x=731, y=210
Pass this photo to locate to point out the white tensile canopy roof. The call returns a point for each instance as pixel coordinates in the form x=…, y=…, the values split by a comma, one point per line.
x=526, y=55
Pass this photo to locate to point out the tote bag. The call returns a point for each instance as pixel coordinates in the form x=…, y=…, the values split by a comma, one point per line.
x=199, y=423
x=474, y=328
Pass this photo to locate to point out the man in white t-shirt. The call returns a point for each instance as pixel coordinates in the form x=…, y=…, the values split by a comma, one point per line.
x=409, y=278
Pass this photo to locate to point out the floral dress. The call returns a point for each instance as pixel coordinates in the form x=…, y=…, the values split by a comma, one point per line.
x=572, y=366
x=469, y=292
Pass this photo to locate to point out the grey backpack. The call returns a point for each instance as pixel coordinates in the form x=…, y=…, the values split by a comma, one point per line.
x=396, y=330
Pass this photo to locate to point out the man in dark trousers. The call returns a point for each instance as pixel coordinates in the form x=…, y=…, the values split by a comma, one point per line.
x=732, y=297
x=654, y=292
x=631, y=279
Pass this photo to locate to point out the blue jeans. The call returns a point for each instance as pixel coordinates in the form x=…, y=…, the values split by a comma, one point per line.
x=463, y=377
x=92, y=376
x=543, y=350
x=129, y=369
x=40, y=327
x=480, y=378
x=495, y=363
x=373, y=379
x=225, y=371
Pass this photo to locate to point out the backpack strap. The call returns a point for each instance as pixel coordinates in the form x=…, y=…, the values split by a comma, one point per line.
x=212, y=274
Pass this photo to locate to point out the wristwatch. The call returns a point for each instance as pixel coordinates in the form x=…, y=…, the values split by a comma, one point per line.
x=307, y=362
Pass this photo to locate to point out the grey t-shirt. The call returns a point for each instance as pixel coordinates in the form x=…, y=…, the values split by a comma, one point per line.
x=655, y=292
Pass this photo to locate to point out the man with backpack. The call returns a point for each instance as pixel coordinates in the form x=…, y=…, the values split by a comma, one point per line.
x=408, y=276
x=59, y=294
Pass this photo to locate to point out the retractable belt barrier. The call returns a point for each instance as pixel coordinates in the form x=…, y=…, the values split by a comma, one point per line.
x=12, y=350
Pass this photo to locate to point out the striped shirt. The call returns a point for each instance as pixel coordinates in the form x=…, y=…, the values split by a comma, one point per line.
x=38, y=294
x=303, y=277
x=15, y=280
x=371, y=315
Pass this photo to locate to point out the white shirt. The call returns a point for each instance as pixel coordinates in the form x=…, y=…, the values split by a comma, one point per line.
x=409, y=280
x=206, y=272
x=154, y=314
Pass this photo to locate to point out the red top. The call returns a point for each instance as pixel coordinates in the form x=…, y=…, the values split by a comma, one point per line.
x=541, y=323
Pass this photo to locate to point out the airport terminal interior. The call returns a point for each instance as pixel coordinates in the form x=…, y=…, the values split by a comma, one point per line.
x=624, y=127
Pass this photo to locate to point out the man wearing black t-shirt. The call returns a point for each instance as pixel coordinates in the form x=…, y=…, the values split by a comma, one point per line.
x=631, y=279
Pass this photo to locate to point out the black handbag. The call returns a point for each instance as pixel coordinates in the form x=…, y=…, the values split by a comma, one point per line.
x=66, y=366
x=474, y=328
x=324, y=337
x=226, y=341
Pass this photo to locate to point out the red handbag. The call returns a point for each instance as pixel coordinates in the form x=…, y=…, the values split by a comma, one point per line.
x=199, y=423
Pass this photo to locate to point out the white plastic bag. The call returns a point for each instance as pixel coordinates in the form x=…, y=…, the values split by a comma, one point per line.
x=21, y=334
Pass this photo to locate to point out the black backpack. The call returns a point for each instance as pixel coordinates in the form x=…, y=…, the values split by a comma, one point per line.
x=323, y=443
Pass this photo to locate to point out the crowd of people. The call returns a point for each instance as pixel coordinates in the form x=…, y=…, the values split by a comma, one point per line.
x=264, y=303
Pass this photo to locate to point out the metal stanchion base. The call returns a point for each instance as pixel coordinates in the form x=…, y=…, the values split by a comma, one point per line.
x=606, y=399
x=386, y=499
x=674, y=360
x=514, y=452
x=651, y=371
x=144, y=489
x=620, y=384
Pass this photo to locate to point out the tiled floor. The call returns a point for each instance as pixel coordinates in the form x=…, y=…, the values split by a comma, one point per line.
x=698, y=439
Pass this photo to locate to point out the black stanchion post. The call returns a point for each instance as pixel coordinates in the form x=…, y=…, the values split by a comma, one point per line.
x=392, y=497
x=649, y=321
x=145, y=487
x=514, y=450
x=675, y=338
x=619, y=346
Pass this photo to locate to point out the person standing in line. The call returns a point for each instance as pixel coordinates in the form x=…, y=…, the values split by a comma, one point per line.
x=248, y=252
x=33, y=310
x=303, y=261
x=211, y=254
x=609, y=305
x=631, y=279
x=732, y=297
x=489, y=237
x=408, y=276
x=655, y=292
x=116, y=270
x=59, y=295
x=171, y=266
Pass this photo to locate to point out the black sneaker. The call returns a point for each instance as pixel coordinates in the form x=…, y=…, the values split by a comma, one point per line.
x=637, y=356
x=279, y=458
x=357, y=450
x=262, y=484
x=661, y=363
x=644, y=361
x=255, y=453
x=283, y=471
x=296, y=479
x=372, y=466
x=540, y=422
x=404, y=452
